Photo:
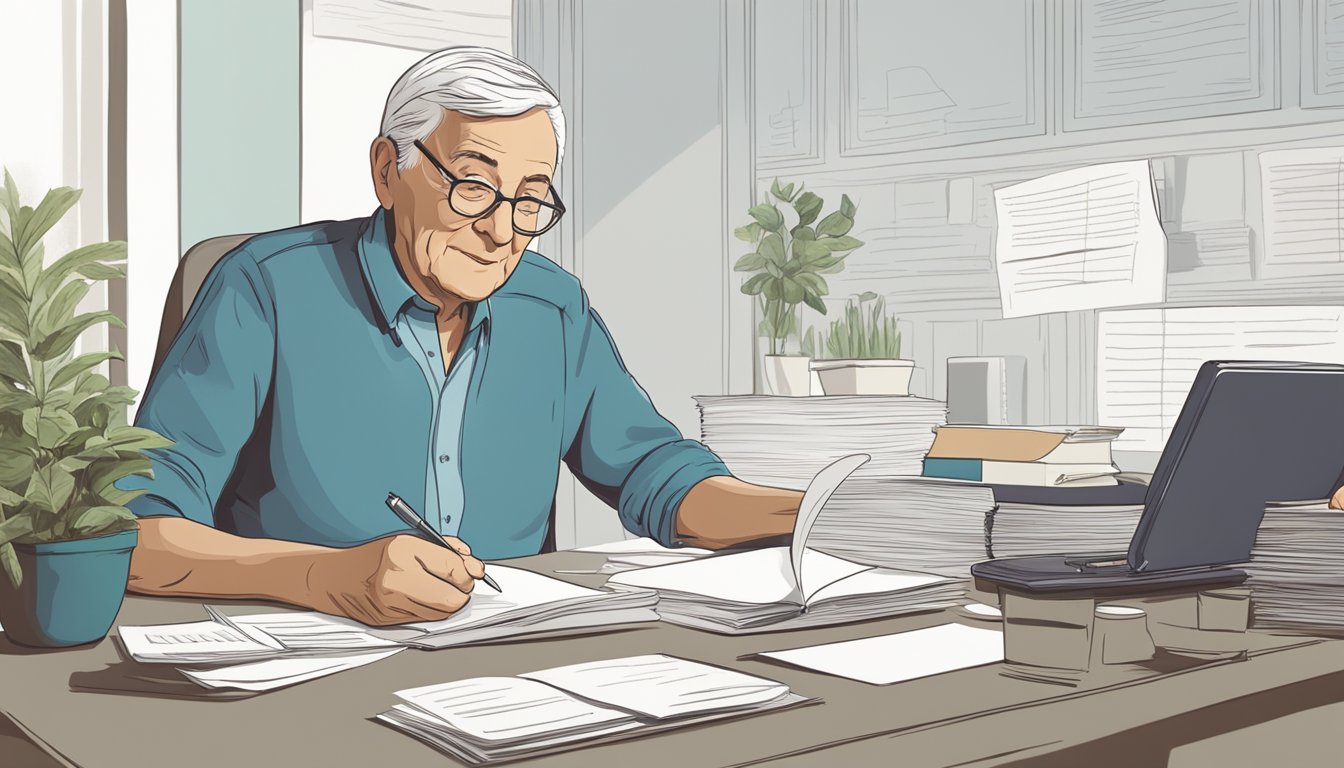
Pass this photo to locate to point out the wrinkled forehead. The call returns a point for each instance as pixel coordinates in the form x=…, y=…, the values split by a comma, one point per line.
x=526, y=141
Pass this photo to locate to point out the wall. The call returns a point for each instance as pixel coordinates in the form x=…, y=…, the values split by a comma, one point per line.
x=644, y=183
x=926, y=198
x=239, y=118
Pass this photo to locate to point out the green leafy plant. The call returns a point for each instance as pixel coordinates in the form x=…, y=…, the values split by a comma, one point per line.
x=64, y=438
x=861, y=333
x=788, y=261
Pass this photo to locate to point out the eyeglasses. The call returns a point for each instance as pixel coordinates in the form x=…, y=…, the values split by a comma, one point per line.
x=476, y=199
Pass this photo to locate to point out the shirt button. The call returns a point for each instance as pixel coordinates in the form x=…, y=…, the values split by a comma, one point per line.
x=447, y=519
x=431, y=353
x=443, y=458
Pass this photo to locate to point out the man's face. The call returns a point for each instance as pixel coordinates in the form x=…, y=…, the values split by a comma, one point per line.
x=455, y=254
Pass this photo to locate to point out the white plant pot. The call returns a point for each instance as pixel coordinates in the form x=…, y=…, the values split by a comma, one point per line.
x=788, y=375
x=865, y=377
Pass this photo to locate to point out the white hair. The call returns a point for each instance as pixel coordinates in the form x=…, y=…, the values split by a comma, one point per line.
x=473, y=80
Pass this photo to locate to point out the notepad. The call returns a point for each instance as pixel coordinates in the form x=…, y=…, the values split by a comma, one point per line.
x=792, y=587
x=488, y=719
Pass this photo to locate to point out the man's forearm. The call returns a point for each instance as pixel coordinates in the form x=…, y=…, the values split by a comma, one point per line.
x=175, y=556
x=721, y=511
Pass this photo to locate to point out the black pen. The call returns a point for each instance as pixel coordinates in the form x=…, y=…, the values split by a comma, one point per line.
x=408, y=516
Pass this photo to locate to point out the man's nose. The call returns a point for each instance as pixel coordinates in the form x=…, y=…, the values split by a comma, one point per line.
x=497, y=228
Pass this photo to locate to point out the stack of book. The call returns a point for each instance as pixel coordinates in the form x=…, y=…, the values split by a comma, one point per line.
x=915, y=523
x=945, y=526
x=1042, y=456
x=1297, y=567
x=785, y=441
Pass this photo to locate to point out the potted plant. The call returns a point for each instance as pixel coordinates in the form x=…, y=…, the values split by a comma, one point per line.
x=863, y=352
x=787, y=267
x=65, y=533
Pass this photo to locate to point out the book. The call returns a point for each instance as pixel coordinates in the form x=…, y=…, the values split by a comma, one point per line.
x=782, y=588
x=486, y=720
x=1038, y=473
x=785, y=441
x=1050, y=445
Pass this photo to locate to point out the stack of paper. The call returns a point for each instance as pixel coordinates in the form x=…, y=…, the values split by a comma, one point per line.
x=488, y=719
x=1297, y=567
x=785, y=441
x=789, y=587
x=530, y=604
x=1021, y=530
x=913, y=523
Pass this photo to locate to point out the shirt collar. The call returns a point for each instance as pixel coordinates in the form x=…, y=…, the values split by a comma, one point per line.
x=391, y=291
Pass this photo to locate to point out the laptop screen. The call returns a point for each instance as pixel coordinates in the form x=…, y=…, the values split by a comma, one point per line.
x=1249, y=432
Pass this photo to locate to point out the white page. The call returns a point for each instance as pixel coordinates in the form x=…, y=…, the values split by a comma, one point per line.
x=1148, y=358
x=877, y=581
x=758, y=576
x=641, y=546
x=309, y=630
x=895, y=658
x=1080, y=239
x=1304, y=218
x=508, y=708
x=661, y=686
x=278, y=673
x=522, y=590
x=199, y=639
x=818, y=492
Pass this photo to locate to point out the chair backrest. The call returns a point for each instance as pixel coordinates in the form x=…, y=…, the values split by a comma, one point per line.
x=191, y=272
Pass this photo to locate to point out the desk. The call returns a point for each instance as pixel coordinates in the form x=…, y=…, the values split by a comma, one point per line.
x=973, y=717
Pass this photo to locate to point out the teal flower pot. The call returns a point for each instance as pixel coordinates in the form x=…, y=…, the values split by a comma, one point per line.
x=71, y=590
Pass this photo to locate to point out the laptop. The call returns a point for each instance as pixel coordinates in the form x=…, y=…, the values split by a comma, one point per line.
x=1249, y=432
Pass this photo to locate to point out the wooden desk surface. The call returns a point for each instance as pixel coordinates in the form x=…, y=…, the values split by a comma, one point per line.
x=100, y=710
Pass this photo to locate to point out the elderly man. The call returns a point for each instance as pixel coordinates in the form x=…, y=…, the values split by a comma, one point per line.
x=423, y=351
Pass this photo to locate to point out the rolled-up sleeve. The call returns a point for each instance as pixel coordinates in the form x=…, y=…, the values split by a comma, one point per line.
x=208, y=393
x=624, y=451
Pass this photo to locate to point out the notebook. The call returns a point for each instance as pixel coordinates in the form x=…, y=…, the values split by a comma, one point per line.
x=783, y=588
x=492, y=719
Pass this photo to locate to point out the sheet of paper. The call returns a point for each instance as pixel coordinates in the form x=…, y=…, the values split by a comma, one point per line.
x=307, y=631
x=1304, y=222
x=641, y=546
x=758, y=576
x=661, y=686
x=1147, y=358
x=521, y=589
x=896, y=658
x=199, y=640
x=818, y=492
x=1080, y=239
x=278, y=673
x=508, y=708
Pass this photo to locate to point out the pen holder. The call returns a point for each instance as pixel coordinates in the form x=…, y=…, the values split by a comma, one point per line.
x=1120, y=635
x=1227, y=610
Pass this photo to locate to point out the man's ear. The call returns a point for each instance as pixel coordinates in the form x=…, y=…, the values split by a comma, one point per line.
x=383, y=168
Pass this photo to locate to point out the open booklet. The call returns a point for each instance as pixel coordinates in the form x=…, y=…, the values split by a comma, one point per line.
x=493, y=719
x=783, y=588
x=531, y=604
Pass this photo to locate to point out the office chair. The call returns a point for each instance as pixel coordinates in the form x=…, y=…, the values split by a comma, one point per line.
x=191, y=271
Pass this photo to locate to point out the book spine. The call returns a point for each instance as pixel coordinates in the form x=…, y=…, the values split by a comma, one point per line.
x=954, y=469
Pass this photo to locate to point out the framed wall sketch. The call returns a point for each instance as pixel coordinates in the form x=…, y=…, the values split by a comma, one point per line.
x=1131, y=63
x=1322, y=53
x=786, y=99
x=917, y=76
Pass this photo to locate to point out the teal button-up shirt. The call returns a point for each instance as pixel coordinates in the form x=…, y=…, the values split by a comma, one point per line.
x=296, y=402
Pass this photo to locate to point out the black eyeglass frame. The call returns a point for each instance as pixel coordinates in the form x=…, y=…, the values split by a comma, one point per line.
x=558, y=206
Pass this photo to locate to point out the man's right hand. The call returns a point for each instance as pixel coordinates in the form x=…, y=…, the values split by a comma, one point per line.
x=1337, y=501
x=393, y=580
